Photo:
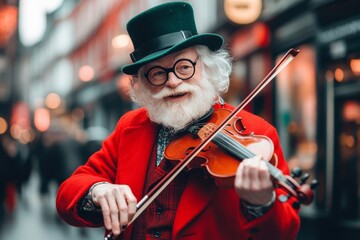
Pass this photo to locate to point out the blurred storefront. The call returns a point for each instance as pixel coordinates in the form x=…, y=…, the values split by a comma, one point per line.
x=249, y=48
x=290, y=101
x=293, y=25
x=313, y=102
x=339, y=81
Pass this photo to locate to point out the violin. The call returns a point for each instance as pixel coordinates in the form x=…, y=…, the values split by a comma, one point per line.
x=220, y=147
x=222, y=156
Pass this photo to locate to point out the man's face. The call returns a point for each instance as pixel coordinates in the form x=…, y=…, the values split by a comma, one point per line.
x=177, y=102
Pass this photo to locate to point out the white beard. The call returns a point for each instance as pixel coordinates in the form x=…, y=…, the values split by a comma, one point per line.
x=176, y=115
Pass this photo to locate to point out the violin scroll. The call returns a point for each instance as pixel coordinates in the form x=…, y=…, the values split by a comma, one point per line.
x=304, y=191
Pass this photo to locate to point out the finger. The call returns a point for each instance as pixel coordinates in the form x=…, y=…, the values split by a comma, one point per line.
x=131, y=202
x=105, y=209
x=264, y=173
x=123, y=208
x=114, y=214
x=250, y=172
x=253, y=168
x=241, y=178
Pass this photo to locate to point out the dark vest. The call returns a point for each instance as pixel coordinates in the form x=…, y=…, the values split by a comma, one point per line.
x=157, y=220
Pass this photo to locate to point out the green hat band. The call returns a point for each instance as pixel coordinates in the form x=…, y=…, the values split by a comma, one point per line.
x=159, y=43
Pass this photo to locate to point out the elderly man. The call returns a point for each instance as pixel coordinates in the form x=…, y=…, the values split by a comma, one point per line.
x=178, y=76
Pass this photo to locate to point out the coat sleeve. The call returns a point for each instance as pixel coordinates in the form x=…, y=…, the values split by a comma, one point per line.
x=282, y=220
x=100, y=167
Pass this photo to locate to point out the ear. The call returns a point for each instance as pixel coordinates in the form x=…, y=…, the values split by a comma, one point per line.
x=134, y=79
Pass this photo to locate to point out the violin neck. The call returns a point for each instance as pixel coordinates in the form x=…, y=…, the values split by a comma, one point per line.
x=239, y=151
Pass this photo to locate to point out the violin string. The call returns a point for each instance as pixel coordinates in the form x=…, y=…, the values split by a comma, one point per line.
x=227, y=141
x=275, y=172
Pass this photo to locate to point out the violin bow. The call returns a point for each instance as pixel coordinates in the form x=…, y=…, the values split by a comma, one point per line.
x=159, y=187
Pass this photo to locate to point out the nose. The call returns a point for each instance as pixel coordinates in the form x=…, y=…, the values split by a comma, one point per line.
x=173, y=81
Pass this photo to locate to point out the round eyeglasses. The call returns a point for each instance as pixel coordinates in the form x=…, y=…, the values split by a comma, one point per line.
x=183, y=69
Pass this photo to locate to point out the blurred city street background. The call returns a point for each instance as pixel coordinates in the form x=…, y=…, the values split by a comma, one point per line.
x=62, y=92
x=35, y=217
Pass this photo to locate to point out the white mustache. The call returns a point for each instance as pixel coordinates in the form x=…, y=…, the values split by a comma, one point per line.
x=181, y=89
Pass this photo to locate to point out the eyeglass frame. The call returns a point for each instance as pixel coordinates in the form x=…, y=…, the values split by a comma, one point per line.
x=171, y=69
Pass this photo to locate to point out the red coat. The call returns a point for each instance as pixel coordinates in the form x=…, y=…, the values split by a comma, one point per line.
x=205, y=211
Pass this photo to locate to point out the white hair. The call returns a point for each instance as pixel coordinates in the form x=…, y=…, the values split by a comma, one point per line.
x=217, y=67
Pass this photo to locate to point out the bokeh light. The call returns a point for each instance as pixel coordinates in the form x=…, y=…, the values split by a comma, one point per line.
x=121, y=41
x=3, y=125
x=86, y=73
x=53, y=101
x=42, y=119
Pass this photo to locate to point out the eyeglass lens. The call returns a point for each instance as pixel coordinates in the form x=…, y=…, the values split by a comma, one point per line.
x=183, y=69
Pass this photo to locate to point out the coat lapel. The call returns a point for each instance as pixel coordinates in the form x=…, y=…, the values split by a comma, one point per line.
x=135, y=157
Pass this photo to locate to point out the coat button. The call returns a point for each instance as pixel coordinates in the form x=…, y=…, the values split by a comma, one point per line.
x=157, y=234
x=159, y=210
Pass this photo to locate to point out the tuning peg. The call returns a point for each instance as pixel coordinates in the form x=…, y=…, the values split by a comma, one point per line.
x=296, y=172
x=314, y=183
x=304, y=178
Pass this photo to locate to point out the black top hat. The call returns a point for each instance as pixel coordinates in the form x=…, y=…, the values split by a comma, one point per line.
x=165, y=29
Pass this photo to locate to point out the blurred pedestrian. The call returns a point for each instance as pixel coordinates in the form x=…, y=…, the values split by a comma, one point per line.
x=10, y=171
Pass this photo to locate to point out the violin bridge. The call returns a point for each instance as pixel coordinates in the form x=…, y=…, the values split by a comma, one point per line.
x=206, y=130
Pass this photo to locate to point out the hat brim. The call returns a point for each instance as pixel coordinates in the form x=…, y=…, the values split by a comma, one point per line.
x=213, y=41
